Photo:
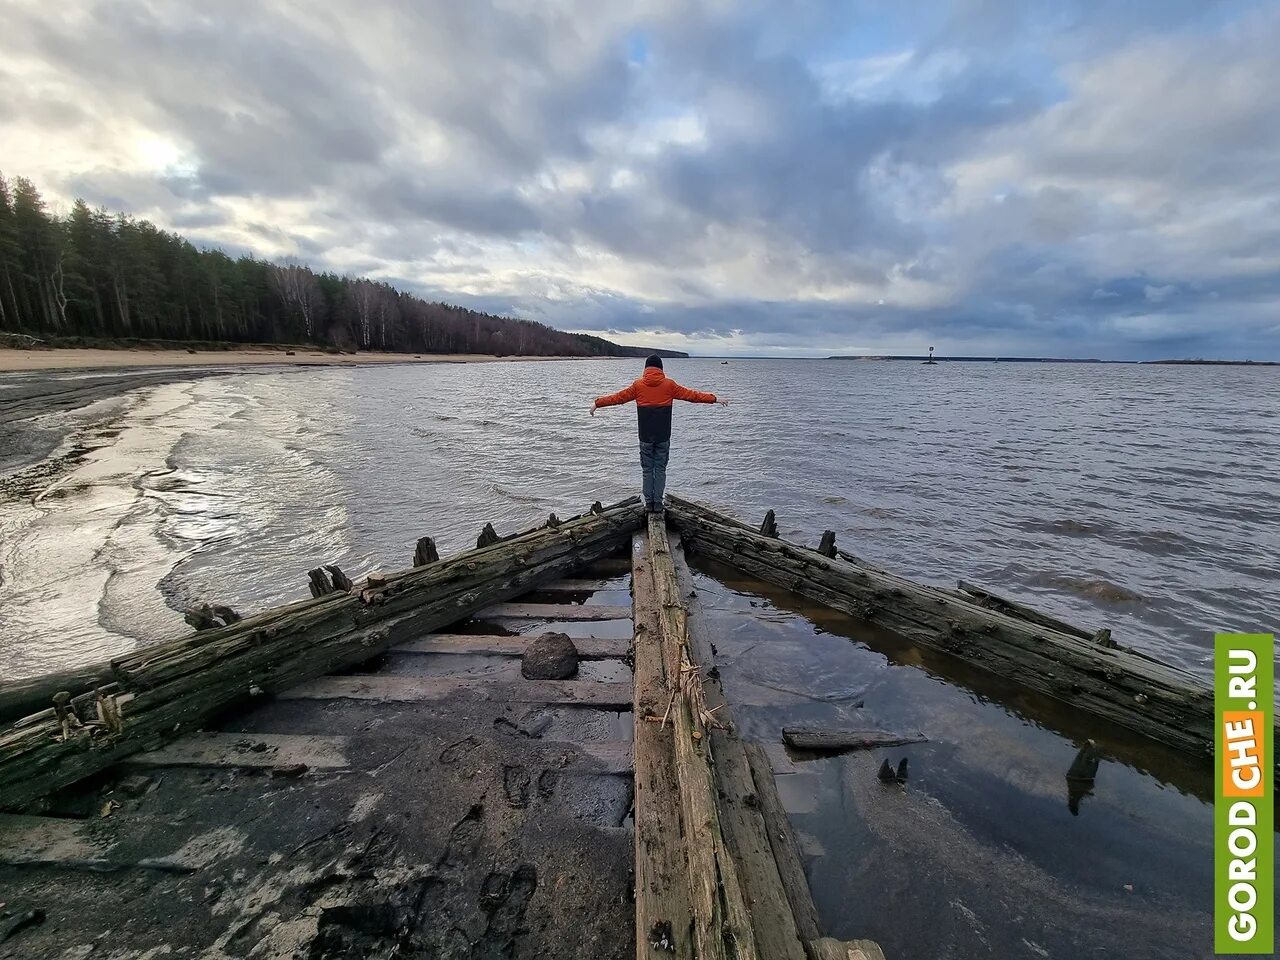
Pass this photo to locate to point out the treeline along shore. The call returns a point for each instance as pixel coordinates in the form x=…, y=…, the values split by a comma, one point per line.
x=109, y=277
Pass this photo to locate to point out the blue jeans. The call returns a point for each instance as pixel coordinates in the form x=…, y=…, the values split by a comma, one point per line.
x=653, y=464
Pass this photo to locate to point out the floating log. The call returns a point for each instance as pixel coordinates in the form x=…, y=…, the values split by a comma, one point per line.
x=721, y=923
x=841, y=741
x=425, y=552
x=1148, y=698
x=173, y=687
x=770, y=526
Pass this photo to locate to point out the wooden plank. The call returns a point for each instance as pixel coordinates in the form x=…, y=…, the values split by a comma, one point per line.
x=722, y=925
x=1148, y=698
x=389, y=689
x=584, y=586
x=250, y=751
x=837, y=741
x=589, y=648
x=71, y=845
x=608, y=566
x=553, y=611
x=613, y=756
x=662, y=884
x=782, y=840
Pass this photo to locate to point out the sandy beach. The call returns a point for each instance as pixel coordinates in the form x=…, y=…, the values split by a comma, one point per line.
x=28, y=361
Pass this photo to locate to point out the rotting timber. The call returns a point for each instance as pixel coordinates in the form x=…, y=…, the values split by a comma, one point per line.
x=1089, y=672
x=330, y=704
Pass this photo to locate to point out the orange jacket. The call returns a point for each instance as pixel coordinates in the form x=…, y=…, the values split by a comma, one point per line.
x=654, y=389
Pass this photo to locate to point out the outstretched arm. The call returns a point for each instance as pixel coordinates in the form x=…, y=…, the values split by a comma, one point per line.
x=693, y=396
x=625, y=395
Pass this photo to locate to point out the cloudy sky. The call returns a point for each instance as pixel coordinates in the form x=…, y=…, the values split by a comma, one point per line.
x=1094, y=178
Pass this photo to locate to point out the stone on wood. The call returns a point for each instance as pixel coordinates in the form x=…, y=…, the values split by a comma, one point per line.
x=551, y=656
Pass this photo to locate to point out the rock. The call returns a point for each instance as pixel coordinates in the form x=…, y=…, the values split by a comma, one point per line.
x=550, y=657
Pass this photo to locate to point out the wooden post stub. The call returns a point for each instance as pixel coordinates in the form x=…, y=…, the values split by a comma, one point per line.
x=320, y=584
x=1103, y=639
x=770, y=526
x=488, y=536
x=552, y=522
x=827, y=547
x=425, y=552
x=597, y=508
x=202, y=617
x=340, y=580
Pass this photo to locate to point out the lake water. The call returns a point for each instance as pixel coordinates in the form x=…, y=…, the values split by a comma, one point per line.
x=1143, y=498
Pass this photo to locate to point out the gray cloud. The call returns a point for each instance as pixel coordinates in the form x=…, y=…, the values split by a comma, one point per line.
x=1075, y=178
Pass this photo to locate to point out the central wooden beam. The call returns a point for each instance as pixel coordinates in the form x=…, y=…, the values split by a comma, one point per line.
x=721, y=922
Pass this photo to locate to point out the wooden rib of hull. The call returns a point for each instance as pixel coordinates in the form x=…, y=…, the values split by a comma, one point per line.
x=1132, y=691
x=172, y=687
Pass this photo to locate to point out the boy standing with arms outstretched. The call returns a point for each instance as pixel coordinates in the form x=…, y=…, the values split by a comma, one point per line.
x=654, y=394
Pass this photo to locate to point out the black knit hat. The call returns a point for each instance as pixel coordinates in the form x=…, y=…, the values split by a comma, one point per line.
x=654, y=361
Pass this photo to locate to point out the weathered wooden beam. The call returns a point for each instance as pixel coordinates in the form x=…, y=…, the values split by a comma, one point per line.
x=396, y=689
x=589, y=648
x=721, y=922
x=745, y=832
x=554, y=611
x=173, y=687
x=1134, y=692
x=782, y=840
x=664, y=920
x=21, y=698
x=250, y=751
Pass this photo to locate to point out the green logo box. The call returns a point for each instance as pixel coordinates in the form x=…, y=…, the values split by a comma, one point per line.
x=1244, y=793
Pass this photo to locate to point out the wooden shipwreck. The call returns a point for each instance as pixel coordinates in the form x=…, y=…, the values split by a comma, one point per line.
x=309, y=781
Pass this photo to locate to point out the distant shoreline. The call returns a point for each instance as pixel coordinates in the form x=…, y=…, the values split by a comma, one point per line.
x=77, y=358
x=939, y=359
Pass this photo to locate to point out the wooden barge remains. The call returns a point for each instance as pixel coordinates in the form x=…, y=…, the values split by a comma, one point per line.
x=395, y=768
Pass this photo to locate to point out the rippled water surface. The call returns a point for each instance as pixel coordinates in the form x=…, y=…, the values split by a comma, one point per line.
x=1143, y=498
